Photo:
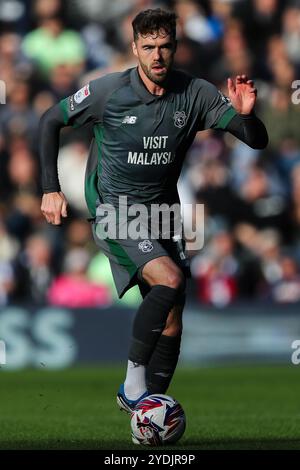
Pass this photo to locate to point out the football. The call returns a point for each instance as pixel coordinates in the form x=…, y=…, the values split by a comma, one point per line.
x=157, y=420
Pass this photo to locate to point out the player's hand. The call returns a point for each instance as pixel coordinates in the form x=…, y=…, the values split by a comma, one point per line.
x=54, y=206
x=242, y=94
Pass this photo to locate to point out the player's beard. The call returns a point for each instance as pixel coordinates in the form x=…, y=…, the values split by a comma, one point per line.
x=160, y=77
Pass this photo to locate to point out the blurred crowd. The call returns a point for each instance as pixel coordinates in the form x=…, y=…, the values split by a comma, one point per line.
x=50, y=48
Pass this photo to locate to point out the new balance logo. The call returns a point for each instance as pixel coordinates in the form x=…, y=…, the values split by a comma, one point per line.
x=129, y=120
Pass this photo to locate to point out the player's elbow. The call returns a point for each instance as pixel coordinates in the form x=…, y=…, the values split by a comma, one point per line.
x=44, y=120
x=260, y=142
x=52, y=117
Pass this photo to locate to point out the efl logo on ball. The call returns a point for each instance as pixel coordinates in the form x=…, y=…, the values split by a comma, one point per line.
x=157, y=420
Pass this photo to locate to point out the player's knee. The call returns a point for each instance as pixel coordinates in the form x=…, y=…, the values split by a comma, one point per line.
x=175, y=280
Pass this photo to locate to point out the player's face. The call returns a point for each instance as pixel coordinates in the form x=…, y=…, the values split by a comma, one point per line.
x=155, y=54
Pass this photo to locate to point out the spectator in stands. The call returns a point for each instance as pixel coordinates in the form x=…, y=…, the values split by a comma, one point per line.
x=236, y=55
x=51, y=44
x=72, y=288
x=281, y=117
x=263, y=206
x=8, y=251
x=33, y=270
x=262, y=17
x=291, y=32
x=295, y=209
x=216, y=271
x=17, y=117
x=287, y=288
x=269, y=252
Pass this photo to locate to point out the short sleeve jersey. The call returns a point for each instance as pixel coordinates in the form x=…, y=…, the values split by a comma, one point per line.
x=140, y=139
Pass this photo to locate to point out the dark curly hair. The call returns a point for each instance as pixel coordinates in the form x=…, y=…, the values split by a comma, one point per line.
x=153, y=21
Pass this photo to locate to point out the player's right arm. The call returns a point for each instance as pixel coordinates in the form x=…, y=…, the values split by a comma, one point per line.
x=54, y=203
x=87, y=105
x=75, y=110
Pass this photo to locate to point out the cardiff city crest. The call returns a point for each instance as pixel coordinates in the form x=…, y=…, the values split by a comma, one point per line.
x=180, y=119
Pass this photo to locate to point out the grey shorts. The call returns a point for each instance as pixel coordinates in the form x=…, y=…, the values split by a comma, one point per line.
x=128, y=256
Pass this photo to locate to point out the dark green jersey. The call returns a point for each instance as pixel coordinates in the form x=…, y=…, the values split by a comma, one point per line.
x=141, y=139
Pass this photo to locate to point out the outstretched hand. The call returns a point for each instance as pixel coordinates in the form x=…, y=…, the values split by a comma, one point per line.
x=54, y=206
x=242, y=94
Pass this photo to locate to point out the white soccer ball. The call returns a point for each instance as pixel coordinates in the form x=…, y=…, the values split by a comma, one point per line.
x=157, y=420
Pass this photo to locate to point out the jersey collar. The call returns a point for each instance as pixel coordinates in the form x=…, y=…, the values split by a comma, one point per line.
x=140, y=89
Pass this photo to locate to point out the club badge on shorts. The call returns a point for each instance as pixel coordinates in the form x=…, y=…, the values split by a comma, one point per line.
x=180, y=119
x=146, y=246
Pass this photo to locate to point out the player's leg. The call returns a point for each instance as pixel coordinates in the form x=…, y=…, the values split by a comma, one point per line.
x=166, y=281
x=163, y=362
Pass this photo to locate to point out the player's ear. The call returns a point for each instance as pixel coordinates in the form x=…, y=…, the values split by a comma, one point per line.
x=134, y=49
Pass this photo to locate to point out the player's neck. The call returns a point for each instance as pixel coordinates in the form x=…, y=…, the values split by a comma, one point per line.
x=152, y=87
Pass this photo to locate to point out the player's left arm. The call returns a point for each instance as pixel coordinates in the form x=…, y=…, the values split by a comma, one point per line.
x=245, y=125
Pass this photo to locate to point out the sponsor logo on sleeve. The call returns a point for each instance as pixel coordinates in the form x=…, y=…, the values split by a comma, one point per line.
x=82, y=94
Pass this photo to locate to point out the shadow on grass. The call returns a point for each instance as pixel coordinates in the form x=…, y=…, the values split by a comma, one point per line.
x=185, y=445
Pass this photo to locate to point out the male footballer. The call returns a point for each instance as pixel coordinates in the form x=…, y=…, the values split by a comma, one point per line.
x=144, y=120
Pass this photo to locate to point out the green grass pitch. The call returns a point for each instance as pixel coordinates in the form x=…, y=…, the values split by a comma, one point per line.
x=247, y=407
